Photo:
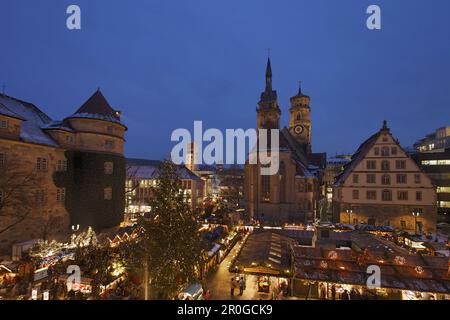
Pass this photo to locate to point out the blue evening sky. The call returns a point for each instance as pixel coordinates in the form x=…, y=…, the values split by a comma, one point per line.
x=166, y=63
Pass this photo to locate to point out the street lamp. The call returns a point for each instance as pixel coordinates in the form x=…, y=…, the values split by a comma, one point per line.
x=416, y=215
x=349, y=212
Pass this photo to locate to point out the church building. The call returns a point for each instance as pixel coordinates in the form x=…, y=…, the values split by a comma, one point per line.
x=292, y=193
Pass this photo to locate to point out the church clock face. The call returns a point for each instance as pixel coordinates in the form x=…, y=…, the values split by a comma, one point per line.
x=298, y=129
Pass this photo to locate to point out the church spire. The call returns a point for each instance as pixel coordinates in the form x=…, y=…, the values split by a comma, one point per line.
x=268, y=76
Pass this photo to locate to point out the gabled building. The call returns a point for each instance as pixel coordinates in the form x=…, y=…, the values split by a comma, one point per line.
x=382, y=185
x=77, y=165
x=291, y=194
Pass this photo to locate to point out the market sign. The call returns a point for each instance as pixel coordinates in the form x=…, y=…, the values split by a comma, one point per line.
x=40, y=274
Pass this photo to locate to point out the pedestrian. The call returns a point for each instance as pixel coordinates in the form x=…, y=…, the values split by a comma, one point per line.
x=232, y=286
x=333, y=292
x=241, y=286
x=345, y=295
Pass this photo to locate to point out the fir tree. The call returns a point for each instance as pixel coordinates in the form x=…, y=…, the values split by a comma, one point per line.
x=170, y=240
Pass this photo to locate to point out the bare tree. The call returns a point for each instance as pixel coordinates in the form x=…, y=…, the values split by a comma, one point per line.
x=17, y=194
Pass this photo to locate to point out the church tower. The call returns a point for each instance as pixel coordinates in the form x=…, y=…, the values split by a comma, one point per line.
x=300, y=120
x=268, y=109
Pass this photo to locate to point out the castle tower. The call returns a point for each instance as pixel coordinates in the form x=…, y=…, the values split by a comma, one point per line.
x=300, y=120
x=268, y=109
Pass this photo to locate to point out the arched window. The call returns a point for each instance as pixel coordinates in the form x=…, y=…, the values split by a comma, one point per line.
x=386, y=179
x=298, y=117
x=385, y=165
x=386, y=195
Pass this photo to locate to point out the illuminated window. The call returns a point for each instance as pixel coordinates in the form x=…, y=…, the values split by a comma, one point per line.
x=107, y=193
x=443, y=189
x=444, y=204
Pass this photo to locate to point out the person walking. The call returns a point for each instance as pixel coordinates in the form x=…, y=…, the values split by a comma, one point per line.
x=232, y=286
x=241, y=286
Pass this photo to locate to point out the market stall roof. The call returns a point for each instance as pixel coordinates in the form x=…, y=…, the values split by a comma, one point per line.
x=399, y=271
x=266, y=252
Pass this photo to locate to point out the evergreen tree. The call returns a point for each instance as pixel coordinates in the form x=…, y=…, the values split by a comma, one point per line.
x=170, y=240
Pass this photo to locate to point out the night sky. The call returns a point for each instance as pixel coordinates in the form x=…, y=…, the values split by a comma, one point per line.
x=167, y=63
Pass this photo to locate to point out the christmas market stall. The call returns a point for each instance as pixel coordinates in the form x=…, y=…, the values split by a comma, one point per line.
x=268, y=256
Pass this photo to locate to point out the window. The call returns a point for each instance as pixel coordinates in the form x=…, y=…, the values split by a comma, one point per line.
x=400, y=164
x=377, y=151
x=109, y=129
x=385, y=165
x=403, y=224
x=107, y=193
x=401, y=178
x=61, y=166
x=355, y=194
x=445, y=162
x=265, y=181
x=355, y=178
x=385, y=152
x=69, y=139
x=394, y=151
x=108, y=167
x=371, y=164
x=371, y=178
x=109, y=144
x=40, y=196
x=60, y=194
x=3, y=124
x=417, y=178
x=2, y=159
x=418, y=195
x=386, y=195
x=298, y=117
x=41, y=164
x=371, y=195
x=402, y=195
x=443, y=189
x=386, y=180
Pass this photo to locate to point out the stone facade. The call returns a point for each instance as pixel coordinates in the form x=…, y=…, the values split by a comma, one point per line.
x=74, y=164
x=382, y=185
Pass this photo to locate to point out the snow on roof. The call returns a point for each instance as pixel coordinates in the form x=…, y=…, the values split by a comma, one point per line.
x=96, y=117
x=150, y=169
x=33, y=118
